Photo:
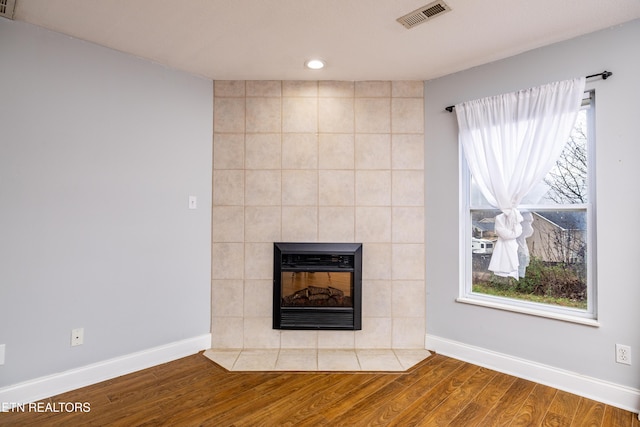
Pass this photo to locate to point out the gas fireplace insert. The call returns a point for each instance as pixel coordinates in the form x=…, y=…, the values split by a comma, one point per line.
x=317, y=286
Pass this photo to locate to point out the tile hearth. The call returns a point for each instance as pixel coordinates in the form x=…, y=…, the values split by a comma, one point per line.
x=391, y=360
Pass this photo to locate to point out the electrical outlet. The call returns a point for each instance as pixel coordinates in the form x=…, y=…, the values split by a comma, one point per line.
x=623, y=354
x=77, y=337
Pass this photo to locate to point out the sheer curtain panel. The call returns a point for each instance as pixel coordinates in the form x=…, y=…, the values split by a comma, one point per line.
x=511, y=142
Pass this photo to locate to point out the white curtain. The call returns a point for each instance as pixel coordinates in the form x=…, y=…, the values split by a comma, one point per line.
x=511, y=142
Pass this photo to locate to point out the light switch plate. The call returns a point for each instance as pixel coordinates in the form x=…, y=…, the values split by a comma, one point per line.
x=193, y=202
x=2, y=348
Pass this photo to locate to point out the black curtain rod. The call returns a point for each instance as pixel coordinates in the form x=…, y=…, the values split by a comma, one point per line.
x=605, y=75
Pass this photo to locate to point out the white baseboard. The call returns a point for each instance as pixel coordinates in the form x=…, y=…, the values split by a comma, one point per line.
x=623, y=397
x=51, y=385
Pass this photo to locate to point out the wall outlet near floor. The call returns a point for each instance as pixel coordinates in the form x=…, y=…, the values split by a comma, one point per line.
x=77, y=336
x=623, y=354
x=2, y=348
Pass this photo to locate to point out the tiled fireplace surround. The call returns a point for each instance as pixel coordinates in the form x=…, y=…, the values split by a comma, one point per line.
x=318, y=161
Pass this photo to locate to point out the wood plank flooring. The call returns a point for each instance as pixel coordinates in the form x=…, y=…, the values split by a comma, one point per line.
x=439, y=391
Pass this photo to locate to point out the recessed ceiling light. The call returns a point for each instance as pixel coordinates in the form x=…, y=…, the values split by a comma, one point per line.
x=314, y=64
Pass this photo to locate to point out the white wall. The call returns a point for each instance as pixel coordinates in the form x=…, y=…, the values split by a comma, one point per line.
x=99, y=152
x=583, y=350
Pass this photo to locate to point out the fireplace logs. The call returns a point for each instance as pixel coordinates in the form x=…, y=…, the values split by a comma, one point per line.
x=316, y=296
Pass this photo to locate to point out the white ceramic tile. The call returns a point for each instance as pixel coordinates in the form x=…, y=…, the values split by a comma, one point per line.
x=223, y=88
x=337, y=360
x=344, y=340
x=410, y=357
x=373, y=188
x=269, y=88
x=369, y=89
x=376, y=298
x=408, y=298
x=227, y=298
x=407, y=261
x=300, y=88
x=376, y=261
x=262, y=223
x=408, y=224
x=408, y=188
x=407, y=89
x=299, y=223
x=299, y=187
x=373, y=115
x=228, y=115
x=336, y=115
x=228, y=187
x=227, y=261
x=227, y=332
x=263, y=151
x=224, y=358
x=336, y=151
x=299, y=115
x=341, y=112
x=259, y=333
x=227, y=224
x=407, y=151
x=407, y=115
x=299, y=151
x=373, y=151
x=228, y=151
x=336, y=224
x=336, y=89
x=259, y=261
x=262, y=187
x=256, y=360
x=297, y=360
x=408, y=332
x=263, y=115
x=375, y=333
x=258, y=298
x=373, y=224
x=336, y=188
x=309, y=360
x=378, y=360
x=298, y=339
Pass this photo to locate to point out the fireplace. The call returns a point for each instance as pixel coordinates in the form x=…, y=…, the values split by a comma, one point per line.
x=317, y=286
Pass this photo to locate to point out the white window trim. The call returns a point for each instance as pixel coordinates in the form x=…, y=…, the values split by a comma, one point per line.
x=466, y=296
x=530, y=308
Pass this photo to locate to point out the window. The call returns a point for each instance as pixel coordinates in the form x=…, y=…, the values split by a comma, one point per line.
x=559, y=279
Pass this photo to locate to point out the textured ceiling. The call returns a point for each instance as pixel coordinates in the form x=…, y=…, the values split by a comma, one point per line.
x=359, y=39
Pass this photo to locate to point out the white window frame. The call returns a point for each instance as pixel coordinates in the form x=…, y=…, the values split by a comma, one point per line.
x=466, y=295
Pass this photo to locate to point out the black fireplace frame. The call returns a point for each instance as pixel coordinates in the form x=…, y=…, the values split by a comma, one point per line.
x=317, y=318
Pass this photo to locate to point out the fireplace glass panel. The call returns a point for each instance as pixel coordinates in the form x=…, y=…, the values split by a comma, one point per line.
x=317, y=289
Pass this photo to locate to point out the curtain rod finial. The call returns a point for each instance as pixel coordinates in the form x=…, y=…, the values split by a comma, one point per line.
x=606, y=74
x=450, y=108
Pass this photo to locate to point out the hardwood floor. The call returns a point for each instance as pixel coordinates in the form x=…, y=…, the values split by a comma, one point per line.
x=440, y=391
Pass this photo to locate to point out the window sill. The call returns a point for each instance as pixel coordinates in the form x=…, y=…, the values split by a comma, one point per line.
x=532, y=311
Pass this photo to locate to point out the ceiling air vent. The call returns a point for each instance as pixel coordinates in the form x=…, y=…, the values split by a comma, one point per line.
x=423, y=14
x=6, y=8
